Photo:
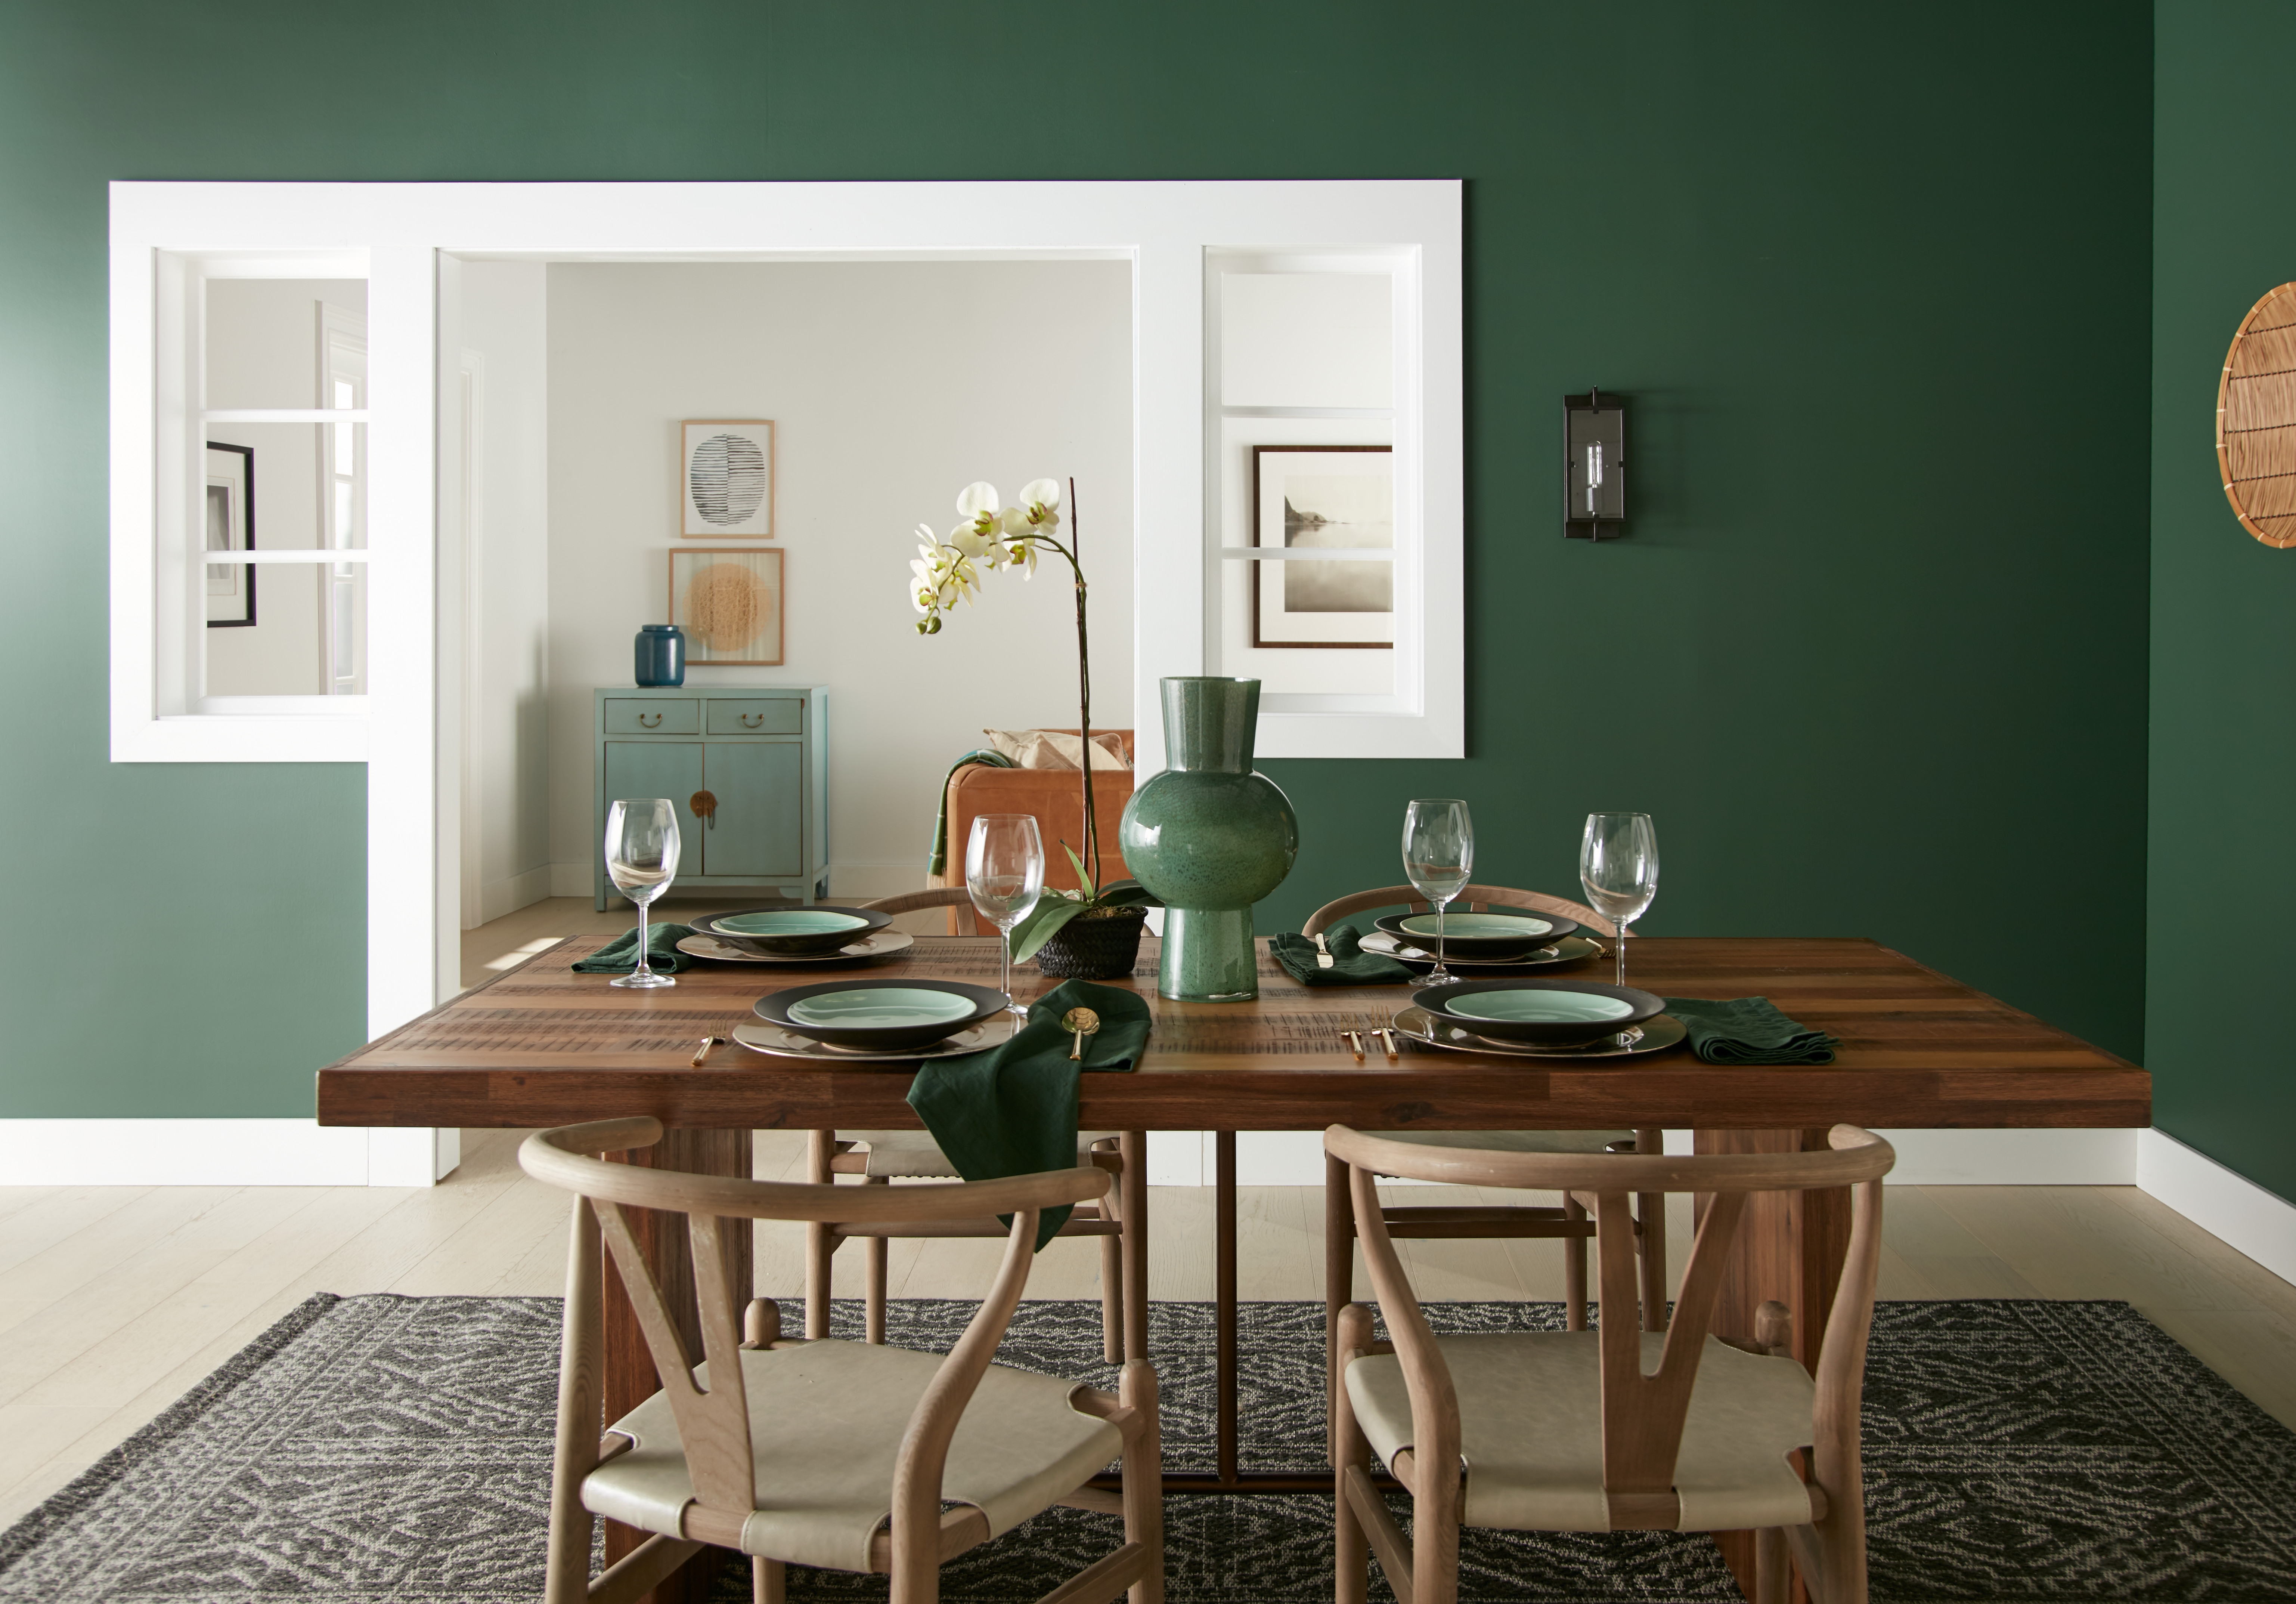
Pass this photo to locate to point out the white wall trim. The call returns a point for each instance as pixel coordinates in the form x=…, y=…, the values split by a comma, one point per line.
x=221, y=1153
x=2225, y=1204
x=512, y=893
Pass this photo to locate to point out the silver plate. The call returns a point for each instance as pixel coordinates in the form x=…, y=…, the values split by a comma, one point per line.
x=771, y=1038
x=876, y=944
x=1419, y=1025
x=1569, y=950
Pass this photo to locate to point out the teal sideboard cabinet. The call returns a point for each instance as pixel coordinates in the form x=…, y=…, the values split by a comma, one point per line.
x=747, y=768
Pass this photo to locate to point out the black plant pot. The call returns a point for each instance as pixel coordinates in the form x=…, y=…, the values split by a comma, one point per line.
x=1100, y=944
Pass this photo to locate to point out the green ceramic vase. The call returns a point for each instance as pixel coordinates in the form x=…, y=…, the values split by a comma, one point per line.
x=1210, y=838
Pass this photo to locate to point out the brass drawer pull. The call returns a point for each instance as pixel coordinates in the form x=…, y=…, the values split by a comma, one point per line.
x=649, y=720
x=704, y=806
x=760, y=719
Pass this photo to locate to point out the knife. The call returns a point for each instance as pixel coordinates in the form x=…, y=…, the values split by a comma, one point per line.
x=1323, y=953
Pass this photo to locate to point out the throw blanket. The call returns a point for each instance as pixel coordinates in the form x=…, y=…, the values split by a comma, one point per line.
x=1012, y=1110
x=937, y=860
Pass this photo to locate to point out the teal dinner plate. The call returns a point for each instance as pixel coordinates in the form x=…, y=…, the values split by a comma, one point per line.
x=1564, y=1008
x=889, y=1006
x=1495, y=933
x=790, y=931
x=1551, y=1013
x=880, y=1016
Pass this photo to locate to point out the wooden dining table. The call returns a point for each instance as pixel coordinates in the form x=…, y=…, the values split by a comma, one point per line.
x=544, y=1045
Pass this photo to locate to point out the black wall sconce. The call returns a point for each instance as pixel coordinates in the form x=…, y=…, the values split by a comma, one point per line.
x=1594, y=466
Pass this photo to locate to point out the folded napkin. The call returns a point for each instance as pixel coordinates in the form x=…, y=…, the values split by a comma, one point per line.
x=621, y=955
x=1012, y=1110
x=1351, y=966
x=1749, y=1030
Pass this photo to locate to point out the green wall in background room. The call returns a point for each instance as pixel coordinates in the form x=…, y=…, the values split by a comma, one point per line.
x=2223, y=814
x=1877, y=282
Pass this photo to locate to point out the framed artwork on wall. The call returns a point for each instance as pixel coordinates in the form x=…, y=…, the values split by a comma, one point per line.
x=1336, y=497
x=231, y=527
x=726, y=477
x=728, y=601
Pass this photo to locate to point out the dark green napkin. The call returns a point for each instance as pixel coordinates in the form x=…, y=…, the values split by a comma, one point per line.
x=1012, y=1110
x=621, y=955
x=1351, y=966
x=1749, y=1030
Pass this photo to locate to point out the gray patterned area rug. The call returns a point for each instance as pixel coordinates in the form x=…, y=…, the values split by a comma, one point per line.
x=391, y=1448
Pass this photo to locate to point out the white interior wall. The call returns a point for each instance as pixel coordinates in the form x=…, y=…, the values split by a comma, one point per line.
x=262, y=350
x=893, y=385
x=506, y=330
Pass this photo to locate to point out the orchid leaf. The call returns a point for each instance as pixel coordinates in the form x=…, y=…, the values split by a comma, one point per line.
x=1045, y=918
x=1128, y=894
x=1083, y=879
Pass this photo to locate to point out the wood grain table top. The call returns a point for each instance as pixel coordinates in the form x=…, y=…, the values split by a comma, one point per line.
x=542, y=1045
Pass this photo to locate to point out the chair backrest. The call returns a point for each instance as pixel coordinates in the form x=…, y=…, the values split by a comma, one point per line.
x=1473, y=899
x=714, y=1426
x=909, y=902
x=1641, y=1414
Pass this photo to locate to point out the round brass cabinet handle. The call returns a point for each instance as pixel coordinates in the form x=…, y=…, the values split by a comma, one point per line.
x=704, y=806
x=760, y=719
x=648, y=721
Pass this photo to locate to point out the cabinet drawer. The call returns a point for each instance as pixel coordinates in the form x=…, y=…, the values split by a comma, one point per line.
x=670, y=716
x=755, y=716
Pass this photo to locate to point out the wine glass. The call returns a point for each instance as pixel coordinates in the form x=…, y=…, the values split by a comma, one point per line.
x=642, y=861
x=1439, y=853
x=1618, y=864
x=1005, y=872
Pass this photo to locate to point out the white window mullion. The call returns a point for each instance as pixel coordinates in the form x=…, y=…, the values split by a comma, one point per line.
x=401, y=680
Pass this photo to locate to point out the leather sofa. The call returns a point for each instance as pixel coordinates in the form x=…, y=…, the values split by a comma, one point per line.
x=1053, y=797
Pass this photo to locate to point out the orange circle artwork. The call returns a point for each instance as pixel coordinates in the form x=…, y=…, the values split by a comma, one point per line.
x=725, y=607
x=2256, y=420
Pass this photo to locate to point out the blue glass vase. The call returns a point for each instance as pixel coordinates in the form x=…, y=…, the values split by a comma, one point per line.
x=1209, y=837
x=661, y=654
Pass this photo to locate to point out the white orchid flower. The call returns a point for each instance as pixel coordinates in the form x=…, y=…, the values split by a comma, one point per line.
x=1045, y=493
x=975, y=498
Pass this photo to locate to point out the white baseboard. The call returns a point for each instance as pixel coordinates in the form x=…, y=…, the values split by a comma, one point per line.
x=514, y=892
x=2222, y=1202
x=858, y=881
x=222, y=1153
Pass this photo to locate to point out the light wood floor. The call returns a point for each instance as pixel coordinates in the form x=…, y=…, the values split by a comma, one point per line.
x=115, y=1300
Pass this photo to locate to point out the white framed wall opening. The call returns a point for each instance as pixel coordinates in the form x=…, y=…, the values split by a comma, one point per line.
x=401, y=592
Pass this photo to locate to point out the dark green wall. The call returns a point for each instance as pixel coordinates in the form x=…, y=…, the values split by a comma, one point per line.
x=1877, y=281
x=2223, y=861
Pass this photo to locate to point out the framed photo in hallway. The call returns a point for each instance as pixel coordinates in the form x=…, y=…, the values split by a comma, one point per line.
x=1336, y=498
x=230, y=527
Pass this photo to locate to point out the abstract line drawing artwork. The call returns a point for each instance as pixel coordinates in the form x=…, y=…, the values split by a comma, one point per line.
x=726, y=477
x=728, y=601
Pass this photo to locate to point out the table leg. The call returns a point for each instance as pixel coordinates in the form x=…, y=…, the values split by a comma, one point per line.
x=1791, y=1247
x=629, y=1377
x=1338, y=1283
x=1133, y=1145
x=1223, y=1298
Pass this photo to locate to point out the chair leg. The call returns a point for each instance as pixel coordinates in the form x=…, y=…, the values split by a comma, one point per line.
x=1351, y=1547
x=1112, y=1299
x=819, y=1244
x=1773, y=1567
x=1143, y=1480
x=1338, y=1284
x=873, y=1304
x=768, y=1581
x=1650, y=1212
x=1574, y=1268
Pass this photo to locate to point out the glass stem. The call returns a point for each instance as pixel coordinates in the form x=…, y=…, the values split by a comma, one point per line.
x=1620, y=944
x=1440, y=909
x=1005, y=950
x=641, y=972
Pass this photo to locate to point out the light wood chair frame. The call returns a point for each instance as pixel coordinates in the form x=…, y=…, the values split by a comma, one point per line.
x=1642, y=1415
x=831, y=1154
x=714, y=1426
x=1567, y=1223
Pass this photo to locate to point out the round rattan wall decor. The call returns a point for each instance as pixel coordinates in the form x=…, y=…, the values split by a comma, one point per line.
x=2256, y=420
